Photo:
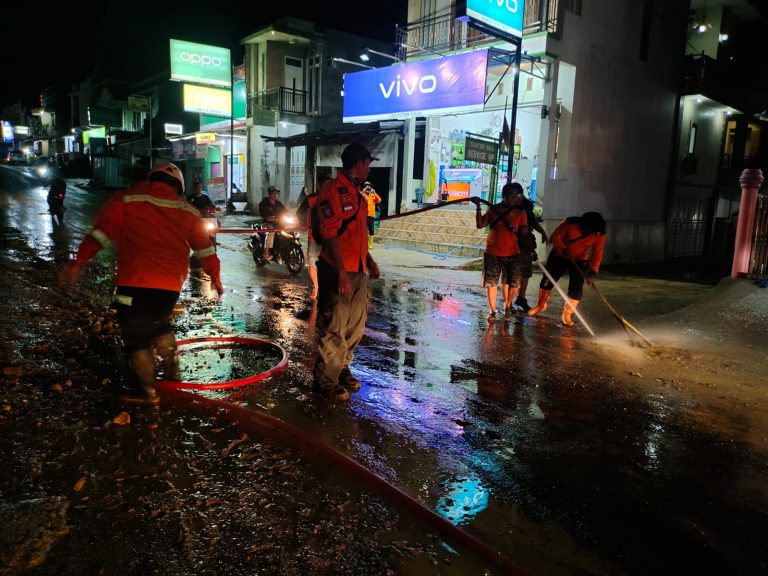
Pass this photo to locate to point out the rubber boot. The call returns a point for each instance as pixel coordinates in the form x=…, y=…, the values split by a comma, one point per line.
x=568, y=311
x=542, y=304
x=142, y=365
x=370, y=242
x=169, y=356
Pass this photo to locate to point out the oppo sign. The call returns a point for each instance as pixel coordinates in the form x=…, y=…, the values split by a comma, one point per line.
x=444, y=85
x=200, y=63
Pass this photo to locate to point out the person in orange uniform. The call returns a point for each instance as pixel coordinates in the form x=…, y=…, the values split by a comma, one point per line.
x=577, y=248
x=502, y=253
x=373, y=199
x=153, y=229
x=341, y=271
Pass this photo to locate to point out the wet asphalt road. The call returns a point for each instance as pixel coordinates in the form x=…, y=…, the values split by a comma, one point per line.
x=527, y=434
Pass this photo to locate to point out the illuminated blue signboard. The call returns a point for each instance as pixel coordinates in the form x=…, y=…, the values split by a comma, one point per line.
x=7, y=131
x=503, y=18
x=445, y=85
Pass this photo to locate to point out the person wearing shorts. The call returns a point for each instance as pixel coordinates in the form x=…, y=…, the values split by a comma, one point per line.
x=502, y=253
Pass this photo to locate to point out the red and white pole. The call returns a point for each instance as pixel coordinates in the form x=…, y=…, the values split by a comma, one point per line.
x=750, y=180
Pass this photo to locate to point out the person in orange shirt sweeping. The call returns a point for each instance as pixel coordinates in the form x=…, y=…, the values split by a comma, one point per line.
x=577, y=248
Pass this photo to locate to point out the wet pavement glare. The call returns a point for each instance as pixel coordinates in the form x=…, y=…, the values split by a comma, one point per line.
x=532, y=437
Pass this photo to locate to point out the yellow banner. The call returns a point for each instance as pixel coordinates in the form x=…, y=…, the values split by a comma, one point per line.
x=205, y=137
x=213, y=101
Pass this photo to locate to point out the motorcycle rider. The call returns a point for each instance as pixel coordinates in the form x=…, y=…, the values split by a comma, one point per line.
x=153, y=229
x=270, y=209
x=57, y=190
x=199, y=199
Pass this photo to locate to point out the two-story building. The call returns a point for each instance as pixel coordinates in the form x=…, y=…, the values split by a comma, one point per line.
x=294, y=79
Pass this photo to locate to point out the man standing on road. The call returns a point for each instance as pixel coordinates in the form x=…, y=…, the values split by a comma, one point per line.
x=502, y=253
x=372, y=198
x=341, y=270
x=577, y=248
x=153, y=229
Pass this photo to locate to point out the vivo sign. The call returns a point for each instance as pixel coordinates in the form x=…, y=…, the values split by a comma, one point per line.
x=505, y=16
x=437, y=86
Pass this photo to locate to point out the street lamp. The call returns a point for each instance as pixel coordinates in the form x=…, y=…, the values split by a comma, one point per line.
x=365, y=53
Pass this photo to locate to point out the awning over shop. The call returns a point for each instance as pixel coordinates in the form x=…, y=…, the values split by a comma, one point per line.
x=329, y=138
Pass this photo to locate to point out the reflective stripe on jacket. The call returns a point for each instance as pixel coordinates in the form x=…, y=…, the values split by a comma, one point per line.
x=153, y=230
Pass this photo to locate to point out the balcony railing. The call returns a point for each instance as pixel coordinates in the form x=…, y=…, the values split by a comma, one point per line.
x=282, y=99
x=443, y=33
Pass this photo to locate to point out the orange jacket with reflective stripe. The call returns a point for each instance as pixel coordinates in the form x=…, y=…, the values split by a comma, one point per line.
x=153, y=229
x=580, y=247
x=339, y=200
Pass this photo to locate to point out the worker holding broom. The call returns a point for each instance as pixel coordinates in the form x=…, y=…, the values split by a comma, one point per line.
x=577, y=248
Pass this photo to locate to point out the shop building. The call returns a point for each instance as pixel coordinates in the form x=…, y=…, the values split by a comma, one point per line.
x=295, y=132
x=595, y=120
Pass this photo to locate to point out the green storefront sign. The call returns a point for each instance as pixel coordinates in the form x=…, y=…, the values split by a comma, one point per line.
x=482, y=151
x=200, y=63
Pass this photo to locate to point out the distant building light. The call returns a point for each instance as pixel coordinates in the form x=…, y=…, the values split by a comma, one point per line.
x=702, y=28
x=722, y=38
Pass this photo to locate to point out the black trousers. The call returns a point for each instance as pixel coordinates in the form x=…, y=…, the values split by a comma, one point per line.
x=143, y=315
x=558, y=266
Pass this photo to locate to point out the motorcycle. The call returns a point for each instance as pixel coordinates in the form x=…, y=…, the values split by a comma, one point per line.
x=211, y=222
x=56, y=194
x=286, y=248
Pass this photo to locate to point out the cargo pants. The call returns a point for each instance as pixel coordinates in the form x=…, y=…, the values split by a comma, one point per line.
x=340, y=322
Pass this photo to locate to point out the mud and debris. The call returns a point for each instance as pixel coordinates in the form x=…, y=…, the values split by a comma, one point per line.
x=568, y=454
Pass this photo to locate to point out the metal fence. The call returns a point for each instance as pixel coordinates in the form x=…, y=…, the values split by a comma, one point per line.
x=442, y=32
x=282, y=99
x=758, y=265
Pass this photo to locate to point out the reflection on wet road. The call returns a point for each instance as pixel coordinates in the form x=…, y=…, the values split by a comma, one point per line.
x=522, y=432
x=513, y=431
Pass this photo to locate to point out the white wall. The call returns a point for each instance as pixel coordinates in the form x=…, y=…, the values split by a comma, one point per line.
x=617, y=127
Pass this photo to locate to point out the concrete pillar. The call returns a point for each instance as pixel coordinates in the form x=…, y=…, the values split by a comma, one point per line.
x=286, y=187
x=750, y=180
x=409, y=143
x=547, y=135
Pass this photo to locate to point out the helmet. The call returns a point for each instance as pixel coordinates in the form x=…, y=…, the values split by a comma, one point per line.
x=170, y=170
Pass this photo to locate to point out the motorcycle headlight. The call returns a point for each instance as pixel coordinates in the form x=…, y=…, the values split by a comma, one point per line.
x=42, y=170
x=210, y=226
x=289, y=220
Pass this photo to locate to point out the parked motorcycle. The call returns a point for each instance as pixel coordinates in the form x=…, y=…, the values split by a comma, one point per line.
x=286, y=248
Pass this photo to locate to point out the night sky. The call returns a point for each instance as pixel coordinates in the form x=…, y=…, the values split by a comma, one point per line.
x=57, y=44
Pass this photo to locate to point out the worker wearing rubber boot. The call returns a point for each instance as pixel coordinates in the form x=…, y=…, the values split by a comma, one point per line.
x=577, y=248
x=342, y=267
x=153, y=228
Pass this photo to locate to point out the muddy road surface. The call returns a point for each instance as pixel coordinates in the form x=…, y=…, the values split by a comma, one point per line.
x=562, y=452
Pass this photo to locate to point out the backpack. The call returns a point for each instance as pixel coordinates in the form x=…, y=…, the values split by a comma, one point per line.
x=314, y=220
